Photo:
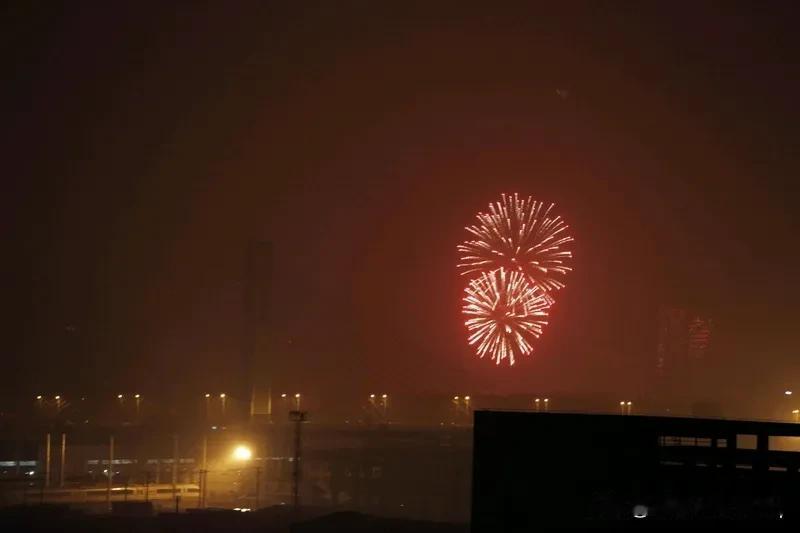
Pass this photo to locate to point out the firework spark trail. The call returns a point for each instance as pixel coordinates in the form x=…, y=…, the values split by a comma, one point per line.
x=505, y=314
x=519, y=234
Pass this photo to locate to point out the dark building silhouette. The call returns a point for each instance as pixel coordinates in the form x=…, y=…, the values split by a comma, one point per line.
x=682, y=355
x=534, y=470
x=256, y=390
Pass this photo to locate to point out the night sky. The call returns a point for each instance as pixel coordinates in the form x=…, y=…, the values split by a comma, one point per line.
x=145, y=147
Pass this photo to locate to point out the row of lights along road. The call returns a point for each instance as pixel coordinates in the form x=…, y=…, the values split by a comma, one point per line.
x=539, y=404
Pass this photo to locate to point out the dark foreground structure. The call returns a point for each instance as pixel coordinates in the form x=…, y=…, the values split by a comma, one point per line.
x=269, y=520
x=538, y=470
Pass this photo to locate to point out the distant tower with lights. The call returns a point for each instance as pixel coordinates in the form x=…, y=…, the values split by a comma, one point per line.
x=257, y=338
x=682, y=351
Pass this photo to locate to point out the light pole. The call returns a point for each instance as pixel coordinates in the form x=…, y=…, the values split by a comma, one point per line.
x=622, y=408
x=297, y=401
x=203, y=471
x=110, y=470
x=258, y=487
x=47, y=461
x=243, y=454
x=63, y=460
x=536, y=404
x=298, y=417
x=546, y=405
x=384, y=403
x=223, y=397
x=121, y=400
x=57, y=398
x=208, y=406
x=138, y=401
x=629, y=404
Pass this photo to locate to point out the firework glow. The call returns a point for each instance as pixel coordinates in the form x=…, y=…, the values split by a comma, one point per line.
x=519, y=234
x=505, y=314
x=517, y=257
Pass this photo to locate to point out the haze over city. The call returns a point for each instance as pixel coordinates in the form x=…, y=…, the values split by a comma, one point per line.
x=265, y=199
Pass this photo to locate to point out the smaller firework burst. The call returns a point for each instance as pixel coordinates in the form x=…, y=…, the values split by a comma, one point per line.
x=505, y=314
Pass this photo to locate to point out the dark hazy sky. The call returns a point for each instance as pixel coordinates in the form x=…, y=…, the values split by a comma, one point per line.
x=146, y=146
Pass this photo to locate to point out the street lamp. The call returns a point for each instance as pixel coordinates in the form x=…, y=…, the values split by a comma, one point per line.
x=622, y=407
x=297, y=401
x=536, y=404
x=384, y=402
x=629, y=404
x=787, y=392
x=242, y=453
x=546, y=404
x=223, y=397
x=57, y=398
x=138, y=401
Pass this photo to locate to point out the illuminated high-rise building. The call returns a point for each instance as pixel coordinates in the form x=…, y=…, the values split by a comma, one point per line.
x=682, y=352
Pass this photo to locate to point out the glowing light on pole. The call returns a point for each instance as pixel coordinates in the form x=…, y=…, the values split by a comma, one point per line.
x=242, y=453
x=505, y=313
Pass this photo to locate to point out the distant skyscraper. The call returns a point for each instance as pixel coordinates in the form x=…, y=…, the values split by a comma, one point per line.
x=257, y=359
x=684, y=341
x=699, y=337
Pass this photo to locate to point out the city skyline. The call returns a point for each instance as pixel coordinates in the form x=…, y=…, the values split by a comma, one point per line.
x=138, y=185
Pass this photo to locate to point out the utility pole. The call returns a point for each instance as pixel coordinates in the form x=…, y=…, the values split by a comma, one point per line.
x=204, y=472
x=63, y=459
x=204, y=492
x=298, y=417
x=110, y=469
x=205, y=451
x=47, y=461
x=175, y=470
